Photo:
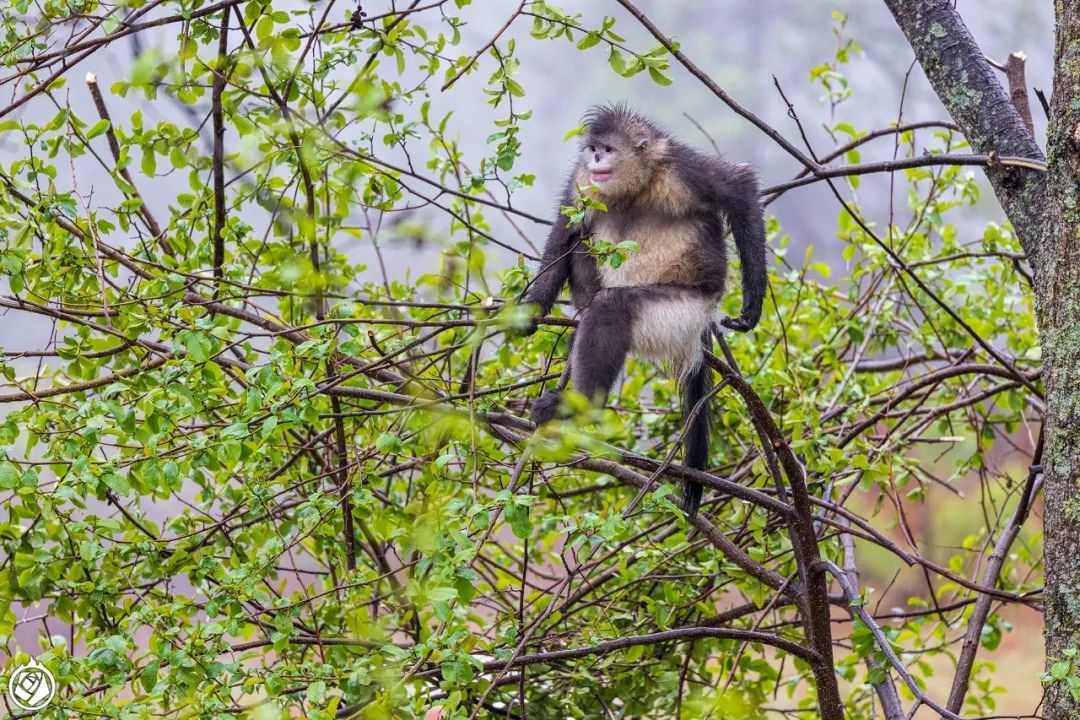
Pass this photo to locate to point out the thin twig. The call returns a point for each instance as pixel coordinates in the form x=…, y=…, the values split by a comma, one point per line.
x=114, y=147
x=476, y=56
x=220, y=76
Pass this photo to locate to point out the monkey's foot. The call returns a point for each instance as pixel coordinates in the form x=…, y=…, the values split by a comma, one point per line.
x=546, y=407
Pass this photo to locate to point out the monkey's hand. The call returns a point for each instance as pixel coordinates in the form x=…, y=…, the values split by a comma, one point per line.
x=738, y=324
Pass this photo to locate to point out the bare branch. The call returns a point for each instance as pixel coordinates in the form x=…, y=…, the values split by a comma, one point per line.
x=1014, y=71
x=220, y=75
x=856, y=609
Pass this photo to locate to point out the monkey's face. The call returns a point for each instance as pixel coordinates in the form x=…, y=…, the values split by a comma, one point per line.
x=616, y=165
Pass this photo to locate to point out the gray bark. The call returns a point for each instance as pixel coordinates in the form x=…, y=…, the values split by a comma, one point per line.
x=966, y=84
x=1058, y=303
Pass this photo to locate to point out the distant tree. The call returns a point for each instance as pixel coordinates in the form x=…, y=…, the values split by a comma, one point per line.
x=239, y=481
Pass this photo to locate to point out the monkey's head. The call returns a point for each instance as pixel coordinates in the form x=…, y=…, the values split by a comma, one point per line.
x=620, y=151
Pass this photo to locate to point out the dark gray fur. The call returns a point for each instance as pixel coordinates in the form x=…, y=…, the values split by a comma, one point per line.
x=719, y=192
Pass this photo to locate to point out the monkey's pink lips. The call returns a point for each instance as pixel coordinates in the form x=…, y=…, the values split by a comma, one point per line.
x=601, y=175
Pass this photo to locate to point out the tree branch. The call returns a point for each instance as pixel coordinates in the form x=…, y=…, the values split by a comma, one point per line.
x=114, y=147
x=1014, y=72
x=219, y=148
x=966, y=84
x=885, y=688
x=716, y=89
x=684, y=634
x=981, y=611
x=814, y=592
x=926, y=160
x=856, y=609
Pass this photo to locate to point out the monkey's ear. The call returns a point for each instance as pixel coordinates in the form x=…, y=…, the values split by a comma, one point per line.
x=642, y=143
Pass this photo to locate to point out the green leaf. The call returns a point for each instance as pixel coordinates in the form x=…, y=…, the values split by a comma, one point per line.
x=443, y=594
x=588, y=41
x=264, y=28
x=149, y=162
x=514, y=88
x=142, y=71
x=388, y=443
x=99, y=128
x=658, y=77
x=177, y=158
x=148, y=677
x=118, y=484
x=518, y=518
x=9, y=475
x=198, y=346
x=615, y=59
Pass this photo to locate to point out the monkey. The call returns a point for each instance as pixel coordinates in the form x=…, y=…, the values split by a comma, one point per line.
x=660, y=303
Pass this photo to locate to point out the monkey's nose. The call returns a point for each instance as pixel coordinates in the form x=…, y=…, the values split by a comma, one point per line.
x=597, y=157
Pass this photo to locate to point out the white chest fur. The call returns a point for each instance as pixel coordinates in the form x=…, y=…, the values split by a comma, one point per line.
x=669, y=330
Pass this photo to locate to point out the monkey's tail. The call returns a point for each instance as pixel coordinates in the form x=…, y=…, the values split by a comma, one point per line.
x=695, y=388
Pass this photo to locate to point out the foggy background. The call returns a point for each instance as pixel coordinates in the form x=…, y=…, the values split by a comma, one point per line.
x=741, y=45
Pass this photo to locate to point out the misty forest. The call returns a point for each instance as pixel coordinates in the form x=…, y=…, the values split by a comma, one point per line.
x=265, y=438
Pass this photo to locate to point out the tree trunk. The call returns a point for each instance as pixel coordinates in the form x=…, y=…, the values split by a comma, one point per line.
x=1058, y=302
x=1045, y=211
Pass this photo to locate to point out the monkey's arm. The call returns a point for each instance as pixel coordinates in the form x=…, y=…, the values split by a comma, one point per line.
x=554, y=270
x=736, y=190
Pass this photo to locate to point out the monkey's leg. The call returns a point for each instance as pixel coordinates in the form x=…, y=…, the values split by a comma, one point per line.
x=546, y=406
x=602, y=342
x=671, y=324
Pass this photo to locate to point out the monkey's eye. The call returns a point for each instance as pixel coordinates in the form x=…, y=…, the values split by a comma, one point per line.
x=590, y=148
x=608, y=149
